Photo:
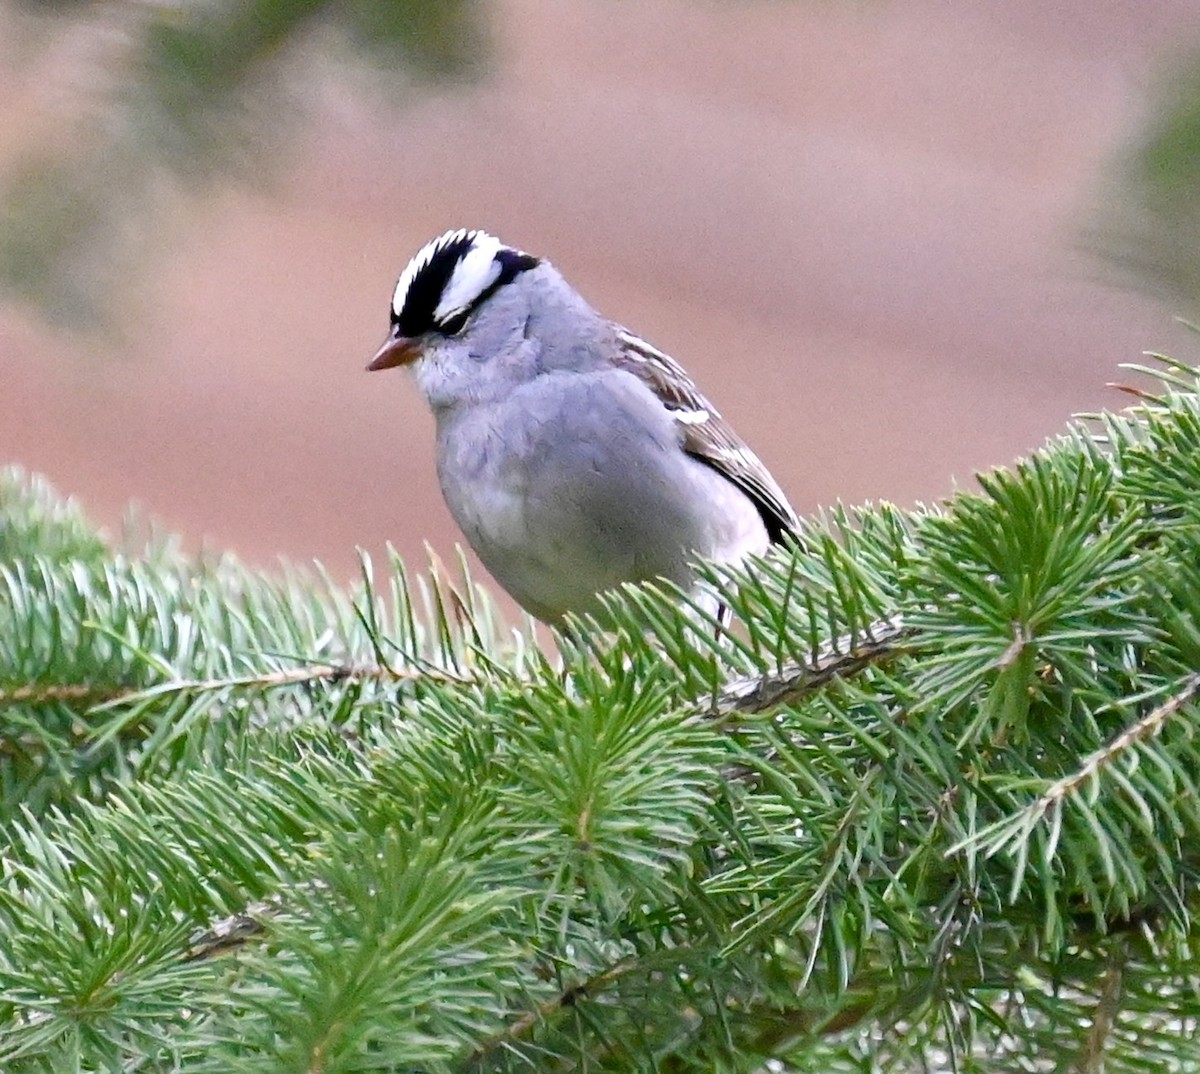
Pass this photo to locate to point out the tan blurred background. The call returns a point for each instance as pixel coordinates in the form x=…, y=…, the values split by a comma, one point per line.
x=857, y=224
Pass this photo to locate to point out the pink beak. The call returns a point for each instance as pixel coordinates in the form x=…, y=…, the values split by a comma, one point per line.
x=396, y=350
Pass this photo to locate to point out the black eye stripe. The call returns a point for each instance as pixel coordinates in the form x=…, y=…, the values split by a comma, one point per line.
x=454, y=324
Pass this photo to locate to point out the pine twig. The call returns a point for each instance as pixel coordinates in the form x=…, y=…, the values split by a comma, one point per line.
x=1139, y=731
x=231, y=933
x=49, y=693
x=747, y=694
x=522, y=1026
x=1016, y=828
x=93, y=698
x=757, y=693
x=1108, y=1004
x=270, y=680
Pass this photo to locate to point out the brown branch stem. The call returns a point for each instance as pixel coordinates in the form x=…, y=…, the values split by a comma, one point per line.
x=90, y=694
x=521, y=1026
x=795, y=681
x=1108, y=1006
x=1138, y=731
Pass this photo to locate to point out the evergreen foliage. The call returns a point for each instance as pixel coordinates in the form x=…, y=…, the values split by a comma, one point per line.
x=933, y=806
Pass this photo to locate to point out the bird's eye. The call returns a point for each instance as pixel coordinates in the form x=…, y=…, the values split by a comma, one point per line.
x=455, y=324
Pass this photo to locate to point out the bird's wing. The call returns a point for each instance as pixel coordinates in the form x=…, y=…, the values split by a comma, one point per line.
x=707, y=436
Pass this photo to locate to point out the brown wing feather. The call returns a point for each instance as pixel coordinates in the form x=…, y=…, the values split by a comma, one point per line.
x=708, y=437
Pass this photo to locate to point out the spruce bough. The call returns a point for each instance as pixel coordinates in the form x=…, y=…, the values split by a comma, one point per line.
x=934, y=805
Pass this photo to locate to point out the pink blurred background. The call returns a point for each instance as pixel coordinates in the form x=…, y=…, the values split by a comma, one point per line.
x=857, y=224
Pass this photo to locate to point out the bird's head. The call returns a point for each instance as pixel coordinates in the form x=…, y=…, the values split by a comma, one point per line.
x=453, y=303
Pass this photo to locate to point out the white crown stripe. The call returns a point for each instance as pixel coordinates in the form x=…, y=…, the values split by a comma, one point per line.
x=475, y=272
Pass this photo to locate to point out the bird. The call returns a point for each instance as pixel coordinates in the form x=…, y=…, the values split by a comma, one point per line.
x=573, y=455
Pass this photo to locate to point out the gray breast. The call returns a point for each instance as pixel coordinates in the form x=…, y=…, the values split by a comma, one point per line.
x=575, y=483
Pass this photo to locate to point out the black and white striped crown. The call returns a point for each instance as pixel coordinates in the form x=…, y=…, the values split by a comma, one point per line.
x=449, y=278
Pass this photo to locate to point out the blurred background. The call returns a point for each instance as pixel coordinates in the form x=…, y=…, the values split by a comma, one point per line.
x=896, y=243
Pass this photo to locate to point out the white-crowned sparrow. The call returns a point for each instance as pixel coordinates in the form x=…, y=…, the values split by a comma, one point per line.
x=573, y=455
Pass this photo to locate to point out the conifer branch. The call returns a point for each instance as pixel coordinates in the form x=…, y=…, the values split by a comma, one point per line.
x=745, y=694
x=1140, y=731
x=1104, y=1015
x=82, y=693
x=521, y=1027
x=88, y=698
x=1033, y=707
x=111, y=696
x=795, y=681
x=303, y=675
x=1136, y=733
